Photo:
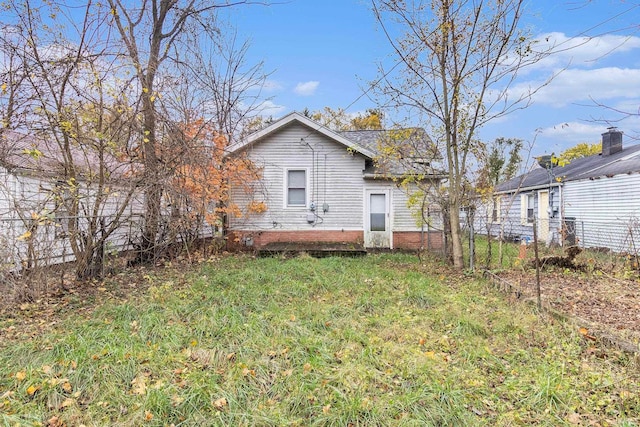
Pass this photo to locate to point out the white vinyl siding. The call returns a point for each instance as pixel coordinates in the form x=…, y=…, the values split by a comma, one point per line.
x=606, y=211
x=333, y=177
x=334, y=180
x=33, y=194
x=408, y=218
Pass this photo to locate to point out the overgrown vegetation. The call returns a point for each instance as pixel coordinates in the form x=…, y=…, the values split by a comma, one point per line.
x=381, y=340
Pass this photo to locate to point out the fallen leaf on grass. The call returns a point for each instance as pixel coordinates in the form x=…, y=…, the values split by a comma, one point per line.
x=32, y=389
x=573, y=418
x=67, y=402
x=176, y=400
x=55, y=422
x=220, y=404
x=585, y=333
x=139, y=385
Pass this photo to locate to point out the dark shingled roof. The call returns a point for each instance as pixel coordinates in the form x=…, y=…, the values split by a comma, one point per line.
x=622, y=162
x=414, y=152
x=36, y=156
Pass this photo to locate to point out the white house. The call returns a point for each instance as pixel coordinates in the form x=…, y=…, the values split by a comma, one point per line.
x=33, y=218
x=322, y=186
x=592, y=201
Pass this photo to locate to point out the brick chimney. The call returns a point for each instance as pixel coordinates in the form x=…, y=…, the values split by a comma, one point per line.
x=611, y=141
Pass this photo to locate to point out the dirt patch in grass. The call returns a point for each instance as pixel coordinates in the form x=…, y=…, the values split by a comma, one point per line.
x=599, y=300
x=23, y=318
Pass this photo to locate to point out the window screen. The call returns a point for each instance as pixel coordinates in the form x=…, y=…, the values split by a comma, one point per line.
x=530, y=206
x=296, y=188
x=377, y=212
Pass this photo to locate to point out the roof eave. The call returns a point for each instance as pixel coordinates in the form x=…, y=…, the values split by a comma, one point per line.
x=418, y=177
x=529, y=188
x=317, y=127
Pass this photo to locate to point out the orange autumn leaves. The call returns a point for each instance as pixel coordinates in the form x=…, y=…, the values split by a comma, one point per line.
x=205, y=176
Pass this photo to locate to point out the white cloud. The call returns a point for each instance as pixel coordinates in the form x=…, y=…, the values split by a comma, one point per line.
x=564, y=135
x=575, y=131
x=306, y=88
x=575, y=85
x=560, y=51
x=269, y=109
x=581, y=51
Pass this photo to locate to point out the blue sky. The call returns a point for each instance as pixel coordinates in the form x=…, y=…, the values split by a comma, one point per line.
x=324, y=53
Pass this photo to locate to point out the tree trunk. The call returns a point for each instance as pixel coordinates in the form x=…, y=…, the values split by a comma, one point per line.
x=153, y=193
x=456, y=236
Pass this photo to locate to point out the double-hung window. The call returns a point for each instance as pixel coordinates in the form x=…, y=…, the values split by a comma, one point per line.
x=495, y=209
x=527, y=208
x=296, y=187
x=530, y=208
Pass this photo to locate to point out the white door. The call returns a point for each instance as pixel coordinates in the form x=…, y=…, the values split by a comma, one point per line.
x=543, y=216
x=377, y=232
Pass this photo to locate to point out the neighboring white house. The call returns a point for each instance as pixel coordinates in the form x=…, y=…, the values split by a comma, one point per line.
x=321, y=186
x=33, y=218
x=592, y=201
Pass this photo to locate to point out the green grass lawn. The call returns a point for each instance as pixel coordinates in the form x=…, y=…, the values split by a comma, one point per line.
x=374, y=341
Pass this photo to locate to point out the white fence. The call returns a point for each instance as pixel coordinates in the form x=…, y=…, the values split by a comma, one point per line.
x=28, y=244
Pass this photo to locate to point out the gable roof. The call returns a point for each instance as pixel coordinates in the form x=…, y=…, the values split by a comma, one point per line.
x=623, y=162
x=409, y=143
x=313, y=126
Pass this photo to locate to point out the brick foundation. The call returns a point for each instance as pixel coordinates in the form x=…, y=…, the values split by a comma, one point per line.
x=243, y=240
x=415, y=239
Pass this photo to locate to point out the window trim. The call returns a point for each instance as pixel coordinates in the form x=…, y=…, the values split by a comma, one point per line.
x=531, y=218
x=285, y=203
x=525, y=219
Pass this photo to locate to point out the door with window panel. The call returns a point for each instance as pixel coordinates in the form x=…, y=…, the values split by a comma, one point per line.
x=377, y=225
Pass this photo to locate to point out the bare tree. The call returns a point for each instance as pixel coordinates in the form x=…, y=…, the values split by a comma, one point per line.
x=154, y=34
x=457, y=59
x=75, y=121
